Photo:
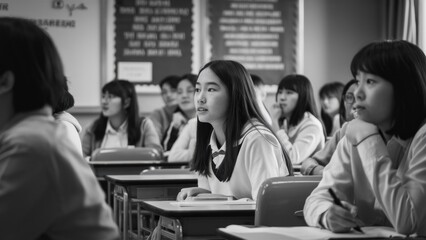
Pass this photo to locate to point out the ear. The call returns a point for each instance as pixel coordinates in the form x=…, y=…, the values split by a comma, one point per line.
x=7, y=80
x=126, y=103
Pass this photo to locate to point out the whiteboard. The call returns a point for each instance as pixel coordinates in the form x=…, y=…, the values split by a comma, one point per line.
x=75, y=27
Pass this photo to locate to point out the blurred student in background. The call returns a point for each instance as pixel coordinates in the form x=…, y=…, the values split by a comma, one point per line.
x=47, y=190
x=295, y=118
x=119, y=124
x=71, y=124
x=379, y=167
x=235, y=149
x=259, y=88
x=162, y=117
x=184, y=111
x=330, y=98
x=315, y=164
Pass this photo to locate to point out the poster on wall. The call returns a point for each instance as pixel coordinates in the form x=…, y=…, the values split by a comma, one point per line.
x=74, y=26
x=260, y=34
x=153, y=39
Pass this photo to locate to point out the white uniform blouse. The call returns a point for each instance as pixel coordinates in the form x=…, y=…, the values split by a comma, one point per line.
x=260, y=157
x=387, y=182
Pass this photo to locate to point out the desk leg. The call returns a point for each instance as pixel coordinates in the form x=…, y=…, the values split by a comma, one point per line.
x=125, y=212
x=109, y=193
x=115, y=206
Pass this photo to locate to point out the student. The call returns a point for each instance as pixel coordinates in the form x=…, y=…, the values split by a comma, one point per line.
x=315, y=164
x=184, y=147
x=162, y=117
x=47, y=190
x=259, y=88
x=295, y=118
x=119, y=124
x=379, y=167
x=229, y=118
x=330, y=99
x=184, y=111
x=72, y=126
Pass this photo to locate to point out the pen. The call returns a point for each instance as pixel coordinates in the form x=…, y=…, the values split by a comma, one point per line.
x=339, y=203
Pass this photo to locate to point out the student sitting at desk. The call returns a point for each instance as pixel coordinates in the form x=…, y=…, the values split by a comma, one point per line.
x=47, y=190
x=295, y=118
x=315, y=165
x=162, y=117
x=379, y=167
x=330, y=99
x=235, y=148
x=184, y=111
x=119, y=124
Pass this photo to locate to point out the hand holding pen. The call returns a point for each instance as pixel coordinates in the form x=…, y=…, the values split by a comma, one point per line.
x=340, y=218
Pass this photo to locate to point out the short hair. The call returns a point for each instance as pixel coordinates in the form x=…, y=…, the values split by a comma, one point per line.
x=306, y=103
x=342, y=109
x=403, y=64
x=257, y=81
x=125, y=90
x=192, y=78
x=330, y=90
x=31, y=55
x=171, y=80
x=242, y=108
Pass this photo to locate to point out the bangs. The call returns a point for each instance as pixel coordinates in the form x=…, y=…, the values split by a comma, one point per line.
x=114, y=88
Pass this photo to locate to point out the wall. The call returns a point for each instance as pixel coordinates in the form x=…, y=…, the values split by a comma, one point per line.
x=334, y=30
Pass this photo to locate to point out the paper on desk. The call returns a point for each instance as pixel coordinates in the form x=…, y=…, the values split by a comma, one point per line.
x=243, y=201
x=305, y=233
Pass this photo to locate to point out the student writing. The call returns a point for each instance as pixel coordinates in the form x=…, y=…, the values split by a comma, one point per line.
x=379, y=167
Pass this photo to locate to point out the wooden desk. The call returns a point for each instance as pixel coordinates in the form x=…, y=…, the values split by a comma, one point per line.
x=198, y=222
x=102, y=168
x=164, y=187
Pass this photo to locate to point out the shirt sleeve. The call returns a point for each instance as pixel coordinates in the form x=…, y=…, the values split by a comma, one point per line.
x=336, y=175
x=86, y=142
x=313, y=165
x=182, y=150
x=264, y=159
x=305, y=143
x=401, y=196
x=150, y=136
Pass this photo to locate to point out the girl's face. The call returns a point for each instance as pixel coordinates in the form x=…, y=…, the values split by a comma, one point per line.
x=349, y=100
x=211, y=98
x=330, y=105
x=168, y=94
x=287, y=100
x=111, y=105
x=374, y=100
x=185, y=95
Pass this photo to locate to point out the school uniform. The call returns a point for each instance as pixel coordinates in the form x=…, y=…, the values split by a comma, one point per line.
x=304, y=139
x=321, y=158
x=386, y=181
x=148, y=138
x=72, y=127
x=260, y=157
x=183, y=148
x=162, y=117
x=47, y=190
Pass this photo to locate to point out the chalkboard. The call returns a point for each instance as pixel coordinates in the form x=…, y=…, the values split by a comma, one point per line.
x=153, y=39
x=75, y=27
x=260, y=34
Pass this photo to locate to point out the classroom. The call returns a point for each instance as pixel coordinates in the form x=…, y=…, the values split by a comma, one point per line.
x=322, y=103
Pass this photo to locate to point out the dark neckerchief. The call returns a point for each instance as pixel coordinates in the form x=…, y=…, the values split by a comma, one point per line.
x=220, y=172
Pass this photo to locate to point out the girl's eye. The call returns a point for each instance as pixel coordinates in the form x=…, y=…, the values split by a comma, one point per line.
x=370, y=81
x=211, y=90
x=197, y=90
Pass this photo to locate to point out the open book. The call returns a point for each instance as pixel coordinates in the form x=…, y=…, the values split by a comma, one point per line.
x=306, y=233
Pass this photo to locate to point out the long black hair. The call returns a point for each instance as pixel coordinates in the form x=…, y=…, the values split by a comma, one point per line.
x=125, y=90
x=242, y=108
x=306, y=102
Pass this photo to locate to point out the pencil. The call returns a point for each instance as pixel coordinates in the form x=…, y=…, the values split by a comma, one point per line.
x=339, y=203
